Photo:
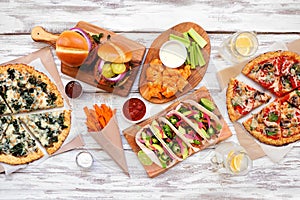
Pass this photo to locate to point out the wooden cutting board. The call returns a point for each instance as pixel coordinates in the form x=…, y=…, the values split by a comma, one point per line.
x=197, y=74
x=129, y=133
x=85, y=72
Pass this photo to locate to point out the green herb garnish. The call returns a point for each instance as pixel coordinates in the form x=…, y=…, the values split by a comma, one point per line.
x=97, y=38
x=273, y=117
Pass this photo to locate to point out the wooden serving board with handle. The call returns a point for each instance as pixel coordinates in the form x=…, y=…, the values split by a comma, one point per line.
x=85, y=72
x=129, y=133
x=153, y=53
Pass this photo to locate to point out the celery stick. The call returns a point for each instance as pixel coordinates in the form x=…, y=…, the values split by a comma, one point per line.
x=184, y=41
x=188, y=60
x=200, y=40
x=195, y=53
x=192, y=56
x=186, y=35
x=200, y=56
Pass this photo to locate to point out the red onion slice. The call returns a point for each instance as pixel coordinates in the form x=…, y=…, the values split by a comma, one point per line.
x=114, y=79
x=84, y=34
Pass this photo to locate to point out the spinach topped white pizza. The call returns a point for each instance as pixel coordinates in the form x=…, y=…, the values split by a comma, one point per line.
x=24, y=90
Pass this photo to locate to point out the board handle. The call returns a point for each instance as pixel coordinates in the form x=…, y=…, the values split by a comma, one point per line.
x=39, y=34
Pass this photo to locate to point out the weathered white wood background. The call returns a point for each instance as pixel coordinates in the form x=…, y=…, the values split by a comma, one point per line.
x=143, y=21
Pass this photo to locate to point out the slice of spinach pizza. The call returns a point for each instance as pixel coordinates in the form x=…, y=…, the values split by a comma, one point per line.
x=4, y=109
x=17, y=146
x=4, y=121
x=50, y=128
x=26, y=89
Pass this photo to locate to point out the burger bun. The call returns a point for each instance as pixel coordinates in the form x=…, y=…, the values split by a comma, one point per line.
x=115, y=53
x=72, y=48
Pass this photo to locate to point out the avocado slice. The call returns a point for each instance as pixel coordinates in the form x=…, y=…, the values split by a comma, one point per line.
x=158, y=148
x=187, y=113
x=203, y=132
x=185, y=152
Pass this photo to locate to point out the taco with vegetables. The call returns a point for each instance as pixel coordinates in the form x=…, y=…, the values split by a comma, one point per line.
x=186, y=130
x=168, y=135
x=154, y=148
x=206, y=123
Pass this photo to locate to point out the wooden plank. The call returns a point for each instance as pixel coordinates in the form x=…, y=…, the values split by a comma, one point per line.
x=131, y=15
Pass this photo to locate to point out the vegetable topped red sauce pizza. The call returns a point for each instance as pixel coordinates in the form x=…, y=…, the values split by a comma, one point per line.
x=278, y=71
x=26, y=90
x=242, y=99
x=278, y=123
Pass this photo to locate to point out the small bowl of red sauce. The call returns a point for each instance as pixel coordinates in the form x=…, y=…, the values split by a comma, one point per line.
x=73, y=89
x=134, y=110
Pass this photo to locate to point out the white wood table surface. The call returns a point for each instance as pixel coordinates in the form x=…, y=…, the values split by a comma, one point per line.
x=60, y=178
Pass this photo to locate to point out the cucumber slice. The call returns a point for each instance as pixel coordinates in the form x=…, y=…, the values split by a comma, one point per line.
x=107, y=71
x=206, y=103
x=118, y=68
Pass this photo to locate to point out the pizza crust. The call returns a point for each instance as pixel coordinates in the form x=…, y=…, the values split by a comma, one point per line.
x=261, y=137
x=13, y=160
x=229, y=95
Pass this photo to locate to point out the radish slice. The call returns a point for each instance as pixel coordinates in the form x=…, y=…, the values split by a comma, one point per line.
x=84, y=34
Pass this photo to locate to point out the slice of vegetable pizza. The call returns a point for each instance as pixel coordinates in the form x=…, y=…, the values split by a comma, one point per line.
x=25, y=89
x=17, y=146
x=241, y=99
x=50, y=128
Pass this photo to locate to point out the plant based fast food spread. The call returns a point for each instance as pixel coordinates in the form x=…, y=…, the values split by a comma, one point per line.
x=175, y=64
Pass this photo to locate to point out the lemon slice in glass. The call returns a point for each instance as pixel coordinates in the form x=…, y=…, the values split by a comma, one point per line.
x=243, y=45
x=235, y=164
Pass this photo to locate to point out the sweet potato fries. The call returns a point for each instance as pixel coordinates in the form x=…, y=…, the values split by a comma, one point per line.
x=98, y=117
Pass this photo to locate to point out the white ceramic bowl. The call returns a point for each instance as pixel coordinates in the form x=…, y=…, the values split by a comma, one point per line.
x=172, y=54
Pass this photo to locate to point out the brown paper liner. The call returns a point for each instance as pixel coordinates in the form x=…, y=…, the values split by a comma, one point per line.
x=47, y=60
x=253, y=149
x=110, y=140
x=246, y=140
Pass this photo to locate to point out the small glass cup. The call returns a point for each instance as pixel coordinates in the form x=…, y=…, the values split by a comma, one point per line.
x=239, y=47
x=84, y=160
x=232, y=157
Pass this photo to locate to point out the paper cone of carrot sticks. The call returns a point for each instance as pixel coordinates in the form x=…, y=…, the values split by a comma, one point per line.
x=103, y=127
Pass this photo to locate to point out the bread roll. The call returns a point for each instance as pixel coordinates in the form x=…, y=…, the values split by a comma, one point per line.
x=115, y=53
x=72, y=48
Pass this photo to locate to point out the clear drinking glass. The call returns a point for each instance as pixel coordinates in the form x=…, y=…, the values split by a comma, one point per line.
x=239, y=47
x=232, y=157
